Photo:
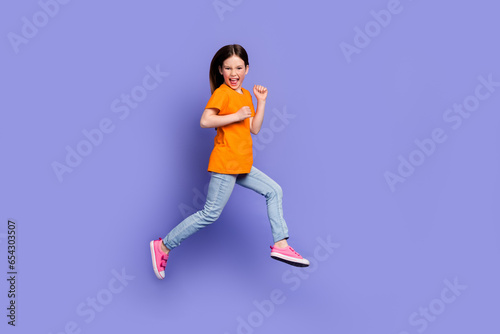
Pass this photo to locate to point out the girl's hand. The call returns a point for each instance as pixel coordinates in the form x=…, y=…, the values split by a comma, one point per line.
x=260, y=92
x=244, y=113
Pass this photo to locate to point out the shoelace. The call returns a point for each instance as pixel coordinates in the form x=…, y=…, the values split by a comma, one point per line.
x=293, y=250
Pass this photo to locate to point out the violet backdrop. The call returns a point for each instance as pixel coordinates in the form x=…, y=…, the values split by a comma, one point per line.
x=381, y=127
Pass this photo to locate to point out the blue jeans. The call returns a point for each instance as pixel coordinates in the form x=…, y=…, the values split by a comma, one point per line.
x=220, y=188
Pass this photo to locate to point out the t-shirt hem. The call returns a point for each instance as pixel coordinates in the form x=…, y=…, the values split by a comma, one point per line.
x=230, y=172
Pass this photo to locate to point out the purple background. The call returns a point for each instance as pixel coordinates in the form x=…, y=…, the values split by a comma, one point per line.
x=349, y=121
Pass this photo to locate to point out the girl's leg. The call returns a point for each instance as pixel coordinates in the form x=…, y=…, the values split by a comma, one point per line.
x=264, y=185
x=219, y=190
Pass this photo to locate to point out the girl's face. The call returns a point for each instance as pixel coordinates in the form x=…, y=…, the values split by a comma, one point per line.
x=233, y=70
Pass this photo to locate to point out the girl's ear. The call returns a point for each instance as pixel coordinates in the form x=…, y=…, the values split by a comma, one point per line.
x=220, y=70
x=246, y=71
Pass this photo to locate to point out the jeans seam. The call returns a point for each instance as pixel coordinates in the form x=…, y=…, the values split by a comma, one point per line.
x=281, y=220
x=197, y=218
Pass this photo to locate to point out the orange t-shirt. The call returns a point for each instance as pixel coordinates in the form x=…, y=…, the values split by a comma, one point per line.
x=232, y=153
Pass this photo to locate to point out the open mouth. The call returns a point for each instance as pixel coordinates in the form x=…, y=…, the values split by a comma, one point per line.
x=233, y=81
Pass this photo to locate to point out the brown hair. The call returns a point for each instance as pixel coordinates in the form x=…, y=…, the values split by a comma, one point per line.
x=216, y=79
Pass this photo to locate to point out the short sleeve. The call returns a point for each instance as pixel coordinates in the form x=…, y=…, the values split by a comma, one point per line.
x=218, y=100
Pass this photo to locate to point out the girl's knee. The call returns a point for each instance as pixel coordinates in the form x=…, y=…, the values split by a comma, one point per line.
x=279, y=191
x=210, y=216
x=275, y=192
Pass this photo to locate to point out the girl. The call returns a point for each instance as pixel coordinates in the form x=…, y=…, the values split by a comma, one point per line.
x=230, y=110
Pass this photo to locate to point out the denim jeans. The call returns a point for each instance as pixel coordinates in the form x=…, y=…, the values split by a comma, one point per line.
x=220, y=188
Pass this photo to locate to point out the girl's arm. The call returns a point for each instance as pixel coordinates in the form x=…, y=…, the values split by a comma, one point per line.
x=260, y=93
x=210, y=119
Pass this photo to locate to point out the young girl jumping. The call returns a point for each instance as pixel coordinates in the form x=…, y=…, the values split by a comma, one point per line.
x=230, y=110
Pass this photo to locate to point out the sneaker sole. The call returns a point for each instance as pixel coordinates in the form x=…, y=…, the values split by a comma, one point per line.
x=153, y=258
x=290, y=260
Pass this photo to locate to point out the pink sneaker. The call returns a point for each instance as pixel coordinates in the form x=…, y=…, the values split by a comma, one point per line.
x=288, y=255
x=159, y=258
